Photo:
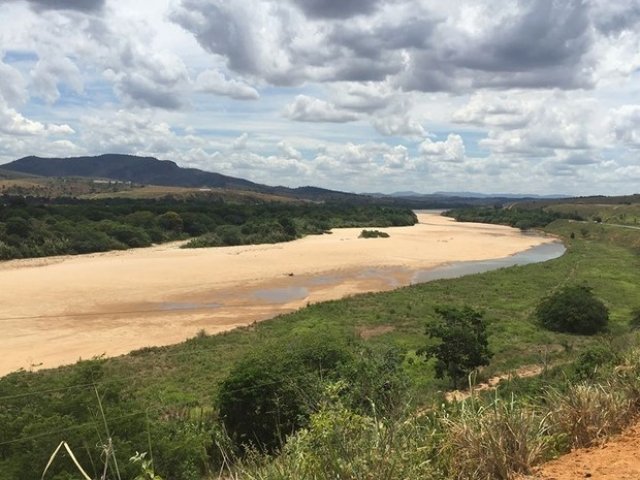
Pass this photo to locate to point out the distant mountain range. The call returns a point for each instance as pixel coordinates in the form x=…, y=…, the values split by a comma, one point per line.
x=473, y=195
x=151, y=171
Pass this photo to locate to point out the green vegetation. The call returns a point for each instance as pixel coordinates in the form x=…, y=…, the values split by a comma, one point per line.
x=573, y=309
x=514, y=216
x=374, y=408
x=373, y=234
x=625, y=213
x=36, y=228
x=462, y=346
x=270, y=393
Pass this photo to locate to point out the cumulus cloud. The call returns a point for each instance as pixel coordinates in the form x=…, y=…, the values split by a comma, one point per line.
x=149, y=79
x=78, y=5
x=240, y=143
x=212, y=81
x=624, y=125
x=309, y=109
x=50, y=71
x=288, y=151
x=423, y=47
x=13, y=122
x=506, y=111
x=450, y=150
x=336, y=8
x=12, y=85
x=399, y=125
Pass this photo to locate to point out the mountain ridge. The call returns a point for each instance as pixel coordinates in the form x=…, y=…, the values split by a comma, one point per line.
x=152, y=171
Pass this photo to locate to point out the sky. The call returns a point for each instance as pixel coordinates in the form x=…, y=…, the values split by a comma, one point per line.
x=491, y=96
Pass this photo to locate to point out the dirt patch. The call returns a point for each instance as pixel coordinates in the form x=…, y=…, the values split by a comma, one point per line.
x=369, y=332
x=617, y=459
x=522, y=372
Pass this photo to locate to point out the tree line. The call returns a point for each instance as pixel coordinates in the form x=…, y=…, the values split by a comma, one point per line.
x=39, y=227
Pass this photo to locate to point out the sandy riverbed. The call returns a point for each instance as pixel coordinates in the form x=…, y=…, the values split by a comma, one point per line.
x=59, y=309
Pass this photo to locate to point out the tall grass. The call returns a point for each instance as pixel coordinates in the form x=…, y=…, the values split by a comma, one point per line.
x=494, y=440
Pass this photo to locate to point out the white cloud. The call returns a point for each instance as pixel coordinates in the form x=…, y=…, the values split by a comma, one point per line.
x=398, y=125
x=50, y=71
x=288, y=151
x=450, y=150
x=309, y=109
x=624, y=125
x=212, y=81
x=240, y=143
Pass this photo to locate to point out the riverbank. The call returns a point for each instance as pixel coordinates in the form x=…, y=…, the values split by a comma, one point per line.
x=57, y=310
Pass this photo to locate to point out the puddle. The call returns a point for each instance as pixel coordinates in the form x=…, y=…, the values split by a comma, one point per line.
x=281, y=295
x=188, y=306
x=540, y=253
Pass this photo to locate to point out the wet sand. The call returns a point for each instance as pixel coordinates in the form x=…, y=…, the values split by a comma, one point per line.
x=57, y=310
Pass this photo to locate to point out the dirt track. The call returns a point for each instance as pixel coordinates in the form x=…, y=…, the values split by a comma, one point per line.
x=59, y=309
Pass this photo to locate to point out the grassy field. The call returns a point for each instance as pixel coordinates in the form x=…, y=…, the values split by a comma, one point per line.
x=623, y=214
x=181, y=381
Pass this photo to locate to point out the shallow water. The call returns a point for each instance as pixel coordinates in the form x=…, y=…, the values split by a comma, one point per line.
x=540, y=253
x=300, y=287
x=281, y=295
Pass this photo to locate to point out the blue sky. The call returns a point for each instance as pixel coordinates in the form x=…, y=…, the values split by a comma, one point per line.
x=535, y=96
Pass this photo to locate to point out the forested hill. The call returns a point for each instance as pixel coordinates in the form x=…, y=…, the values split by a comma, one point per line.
x=151, y=171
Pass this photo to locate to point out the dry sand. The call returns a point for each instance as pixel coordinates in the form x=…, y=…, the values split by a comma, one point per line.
x=59, y=309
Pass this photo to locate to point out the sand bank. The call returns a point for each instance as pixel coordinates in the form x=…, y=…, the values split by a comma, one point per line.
x=59, y=309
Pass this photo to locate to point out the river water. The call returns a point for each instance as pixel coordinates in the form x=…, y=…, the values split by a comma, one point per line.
x=301, y=287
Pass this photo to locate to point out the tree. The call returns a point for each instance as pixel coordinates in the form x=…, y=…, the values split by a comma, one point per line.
x=573, y=309
x=463, y=345
x=171, y=221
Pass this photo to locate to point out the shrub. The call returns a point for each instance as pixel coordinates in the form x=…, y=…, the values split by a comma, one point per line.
x=574, y=309
x=587, y=364
x=373, y=234
x=271, y=393
x=463, y=344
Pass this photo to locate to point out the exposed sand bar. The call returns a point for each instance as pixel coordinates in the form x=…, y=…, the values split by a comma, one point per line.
x=56, y=310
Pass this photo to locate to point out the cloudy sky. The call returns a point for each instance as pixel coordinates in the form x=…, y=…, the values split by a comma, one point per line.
x=531, y=96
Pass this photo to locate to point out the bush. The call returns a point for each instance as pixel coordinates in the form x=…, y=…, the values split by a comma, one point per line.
x=271, y=393
x=587, y=364
x=373, y=234
x=574, y=309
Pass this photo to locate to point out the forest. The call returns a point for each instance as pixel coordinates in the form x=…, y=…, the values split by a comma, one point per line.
x=35, y=227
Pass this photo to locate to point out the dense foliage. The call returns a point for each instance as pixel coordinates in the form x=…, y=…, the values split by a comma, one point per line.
x=462, y=343
x=272, y=392
x=523, y=218
x=373, y=234
x=269, y=394
x=573, y=309
x=38, y=228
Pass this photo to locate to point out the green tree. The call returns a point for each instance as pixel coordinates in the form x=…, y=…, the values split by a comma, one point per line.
x=573, y=309
x=171, y=221
x=461, y=342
